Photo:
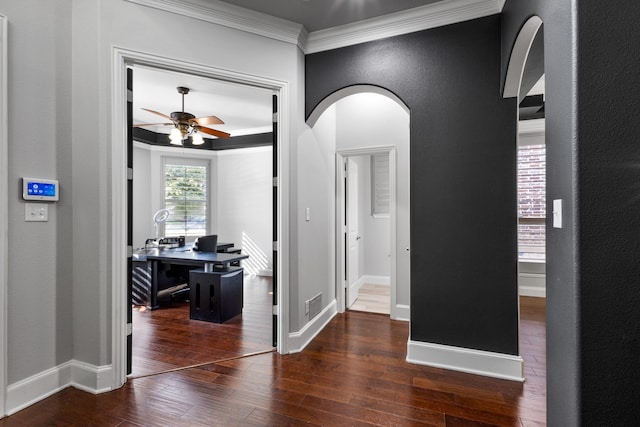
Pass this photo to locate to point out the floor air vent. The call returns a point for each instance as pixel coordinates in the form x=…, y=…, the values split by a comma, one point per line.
x=315, y=306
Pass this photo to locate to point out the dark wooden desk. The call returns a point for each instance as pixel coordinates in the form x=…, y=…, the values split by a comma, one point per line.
x=157, y=269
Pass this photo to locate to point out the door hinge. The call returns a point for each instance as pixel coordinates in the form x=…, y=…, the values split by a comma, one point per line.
x=275, y=181
x=129, y=328
x=129, y=251
x=274, y=118
x=275, y=246
x=274, y=310
x=129, y=95
x=130, y=174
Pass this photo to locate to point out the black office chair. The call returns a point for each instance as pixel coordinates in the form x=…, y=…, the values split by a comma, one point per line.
x=206, y=243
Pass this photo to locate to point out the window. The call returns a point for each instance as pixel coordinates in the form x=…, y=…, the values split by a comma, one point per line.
x=185, y=195
x=531, y=202
x=380, y=192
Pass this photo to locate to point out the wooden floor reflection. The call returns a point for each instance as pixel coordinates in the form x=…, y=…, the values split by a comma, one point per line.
x=352, y=374
x=165, y=339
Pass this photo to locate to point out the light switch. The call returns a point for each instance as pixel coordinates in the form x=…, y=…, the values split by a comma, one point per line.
x=557, y=213
x=36, y=212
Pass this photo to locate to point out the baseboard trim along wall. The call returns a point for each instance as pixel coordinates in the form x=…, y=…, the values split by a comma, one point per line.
x=401, y=312
x=90, y=378
x=299, y=340
x=488, y=364
x=375, y=280
x=532, y=285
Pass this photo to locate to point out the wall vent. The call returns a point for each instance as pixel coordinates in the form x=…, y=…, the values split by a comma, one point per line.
x=315, y=306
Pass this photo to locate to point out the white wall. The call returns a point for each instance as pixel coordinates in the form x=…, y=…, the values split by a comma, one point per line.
x=61, y=72
x=244, y=205
x=376, y=231
x=39, y=294
x=315, y=189
x=143, y=208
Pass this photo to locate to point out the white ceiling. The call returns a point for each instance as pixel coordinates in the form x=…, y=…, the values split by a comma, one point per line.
x=322, y=14
x=244, y=109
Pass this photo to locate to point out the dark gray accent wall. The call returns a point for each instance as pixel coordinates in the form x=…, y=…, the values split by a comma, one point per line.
x=463, y=174
x=592, y=58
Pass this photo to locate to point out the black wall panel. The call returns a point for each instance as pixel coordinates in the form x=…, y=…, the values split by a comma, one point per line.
x=463, y=174
x=592, y=109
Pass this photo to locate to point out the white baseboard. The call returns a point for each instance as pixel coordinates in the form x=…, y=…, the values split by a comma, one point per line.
x=532, y=285
x=401, y=312
x=90, y=378
x=376, y=280
x=495, y=365
x=299, y=340
x=266, y=272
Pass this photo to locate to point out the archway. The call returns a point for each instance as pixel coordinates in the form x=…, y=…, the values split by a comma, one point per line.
x=370, y=120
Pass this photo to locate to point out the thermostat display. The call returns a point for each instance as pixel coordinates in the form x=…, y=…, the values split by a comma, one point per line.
x=39, y=189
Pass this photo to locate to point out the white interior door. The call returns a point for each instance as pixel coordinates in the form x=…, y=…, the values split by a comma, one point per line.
x=353, y=236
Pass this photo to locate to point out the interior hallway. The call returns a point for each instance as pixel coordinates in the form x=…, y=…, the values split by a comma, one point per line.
x=353, y=373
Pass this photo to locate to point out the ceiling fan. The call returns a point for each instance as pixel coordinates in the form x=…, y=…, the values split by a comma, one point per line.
x=186, y=124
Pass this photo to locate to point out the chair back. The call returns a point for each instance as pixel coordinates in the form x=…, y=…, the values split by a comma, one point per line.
x=206, y=243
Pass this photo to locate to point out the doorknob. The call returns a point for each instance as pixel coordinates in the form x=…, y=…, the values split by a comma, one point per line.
x=357, y=237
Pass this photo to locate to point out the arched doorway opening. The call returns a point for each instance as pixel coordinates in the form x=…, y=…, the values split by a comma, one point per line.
x=370, y=125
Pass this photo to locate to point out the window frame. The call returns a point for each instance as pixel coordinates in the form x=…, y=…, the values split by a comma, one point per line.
x=376, y=176
x=187, y=161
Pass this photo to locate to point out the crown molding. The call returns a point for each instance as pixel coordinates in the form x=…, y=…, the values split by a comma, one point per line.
x=421, y=18
x=228, y=15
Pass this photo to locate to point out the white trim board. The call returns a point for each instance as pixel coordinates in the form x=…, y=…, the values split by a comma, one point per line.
x=121, y=59
x=420, y=18
x=299, y=340
x=478, y=362
x=89, y=378
x=4, y=212
x=532, y=285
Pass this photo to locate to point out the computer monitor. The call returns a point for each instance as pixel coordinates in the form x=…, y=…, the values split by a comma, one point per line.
x=207, y=243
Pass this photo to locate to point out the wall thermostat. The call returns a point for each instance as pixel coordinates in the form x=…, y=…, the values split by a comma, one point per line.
x=40, y=189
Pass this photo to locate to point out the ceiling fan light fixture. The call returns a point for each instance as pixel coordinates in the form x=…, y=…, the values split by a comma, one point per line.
x=188, y=125
x=196, y=138
x=175, y=137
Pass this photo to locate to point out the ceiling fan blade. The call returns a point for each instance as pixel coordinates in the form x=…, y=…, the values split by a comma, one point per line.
x=150, y=124
x=209, y=120
x=213, y=132
x=160, y=114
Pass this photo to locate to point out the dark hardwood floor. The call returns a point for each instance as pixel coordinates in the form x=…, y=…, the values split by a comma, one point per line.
x=166, y=338
x=353, y=373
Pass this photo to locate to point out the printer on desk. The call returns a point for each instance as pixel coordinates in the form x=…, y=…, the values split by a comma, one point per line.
x=165, y=242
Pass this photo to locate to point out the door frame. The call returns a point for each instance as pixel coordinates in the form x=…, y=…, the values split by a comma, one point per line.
x=341, y=255
x=121, y=59
x=349, y=198
x=4, y=212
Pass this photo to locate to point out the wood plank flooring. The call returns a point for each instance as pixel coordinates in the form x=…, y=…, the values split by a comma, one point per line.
x=353, y=373
x=373, y=298
x=166, y=338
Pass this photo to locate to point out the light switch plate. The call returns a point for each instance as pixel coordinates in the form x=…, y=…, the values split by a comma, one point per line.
x=36, y=212
x=557, y=213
